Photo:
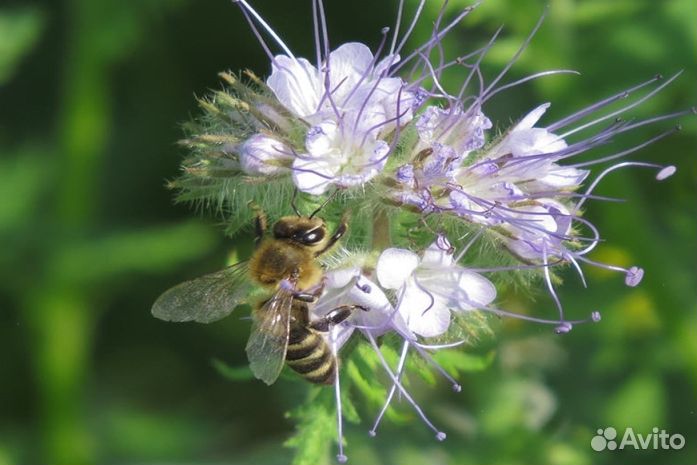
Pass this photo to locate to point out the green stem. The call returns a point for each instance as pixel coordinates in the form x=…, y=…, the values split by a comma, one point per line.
x=381, y=231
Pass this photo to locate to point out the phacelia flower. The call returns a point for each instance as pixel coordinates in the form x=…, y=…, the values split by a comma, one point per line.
x=380, y=133
x=431, y=286
x=263, y=155
x=351, y=102
x=336, y=157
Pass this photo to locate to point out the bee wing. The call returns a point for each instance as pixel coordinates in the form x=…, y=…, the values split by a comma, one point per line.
x=268, y=341
x=205, y=299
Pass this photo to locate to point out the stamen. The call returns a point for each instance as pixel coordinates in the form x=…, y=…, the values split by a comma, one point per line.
x=655, y=119
x=529, y=78
x=626, y=152
x=484, y=50
x=579, y=270
x=454, y=384
x=393, y=388
x=449, y=345
x=550, y=287
x=265, y=25
x=315, y=30
x=340, y=457
x=438, y=44
x=325, y=34
x=430, y=296
x=594, y=317
x=435, y=37
x=256, y=32
x=632, y=275
x=409, y=30
x=398, y=22
x=597, y=106
x=434, y=75
x=439, y=434
x=513, y=60
x=664, y=171
x=621, y=110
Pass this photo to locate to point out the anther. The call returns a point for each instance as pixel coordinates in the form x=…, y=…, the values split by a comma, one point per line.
x=441, y=436
x=365, y=288
x=595, y=316
x=341, y=458
x=666, y=172
x=372, y=433
x=457, y=387
x=634, y=276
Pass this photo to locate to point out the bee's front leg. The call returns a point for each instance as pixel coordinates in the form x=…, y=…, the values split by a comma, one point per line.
x=334, y=317
x=260, y=222
x=312, y=294
x=340, y=231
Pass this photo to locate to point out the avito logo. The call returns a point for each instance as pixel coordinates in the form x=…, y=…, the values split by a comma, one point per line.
x=607, y=438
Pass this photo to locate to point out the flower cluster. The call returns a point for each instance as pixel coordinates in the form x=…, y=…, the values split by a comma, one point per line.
x=403, y=154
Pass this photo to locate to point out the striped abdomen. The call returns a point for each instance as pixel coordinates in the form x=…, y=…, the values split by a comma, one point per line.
x=310, y=356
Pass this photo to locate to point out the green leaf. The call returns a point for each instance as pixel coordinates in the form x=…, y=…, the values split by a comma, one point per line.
x=241, y=373
x=458, y=361
x=315, y=431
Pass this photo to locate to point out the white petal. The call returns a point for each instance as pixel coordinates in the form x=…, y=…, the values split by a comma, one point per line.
x=313, y=176
x=457, y=287
x=320, y=139
x=561, y=176
x=533, y=141
x=424, y=313
x=386, y=63
x=379, y=317
x=395, y=266
x=296, y=83
x=346, y=66
x=478, y=290
x=438, y=254
x=427, y=123
x=340, y=278
x=262, y=154
x=532, y=118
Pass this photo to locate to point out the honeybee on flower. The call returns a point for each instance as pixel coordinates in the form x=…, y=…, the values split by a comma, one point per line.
x=424, y=175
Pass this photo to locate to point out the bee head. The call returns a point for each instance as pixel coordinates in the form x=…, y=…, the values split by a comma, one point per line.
x=302, y=230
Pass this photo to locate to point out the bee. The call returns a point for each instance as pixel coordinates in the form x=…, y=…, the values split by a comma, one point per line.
x=282, y=331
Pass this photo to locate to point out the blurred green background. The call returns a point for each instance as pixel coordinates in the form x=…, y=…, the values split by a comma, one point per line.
x=91, y=96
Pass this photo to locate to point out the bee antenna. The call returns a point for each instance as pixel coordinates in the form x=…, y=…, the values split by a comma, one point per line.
x=324, y=204
x=292, y=202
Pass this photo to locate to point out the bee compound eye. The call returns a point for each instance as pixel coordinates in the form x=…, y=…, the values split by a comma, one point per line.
x=313, y=236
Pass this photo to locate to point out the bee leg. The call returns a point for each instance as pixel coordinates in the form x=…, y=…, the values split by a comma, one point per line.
x=340, y=231
x=311, y=294
x=335, y=317
x=260, y=222
x=306, y=297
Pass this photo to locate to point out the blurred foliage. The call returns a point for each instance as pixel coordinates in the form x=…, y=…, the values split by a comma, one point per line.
x=19, y=30
x=91, y=93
